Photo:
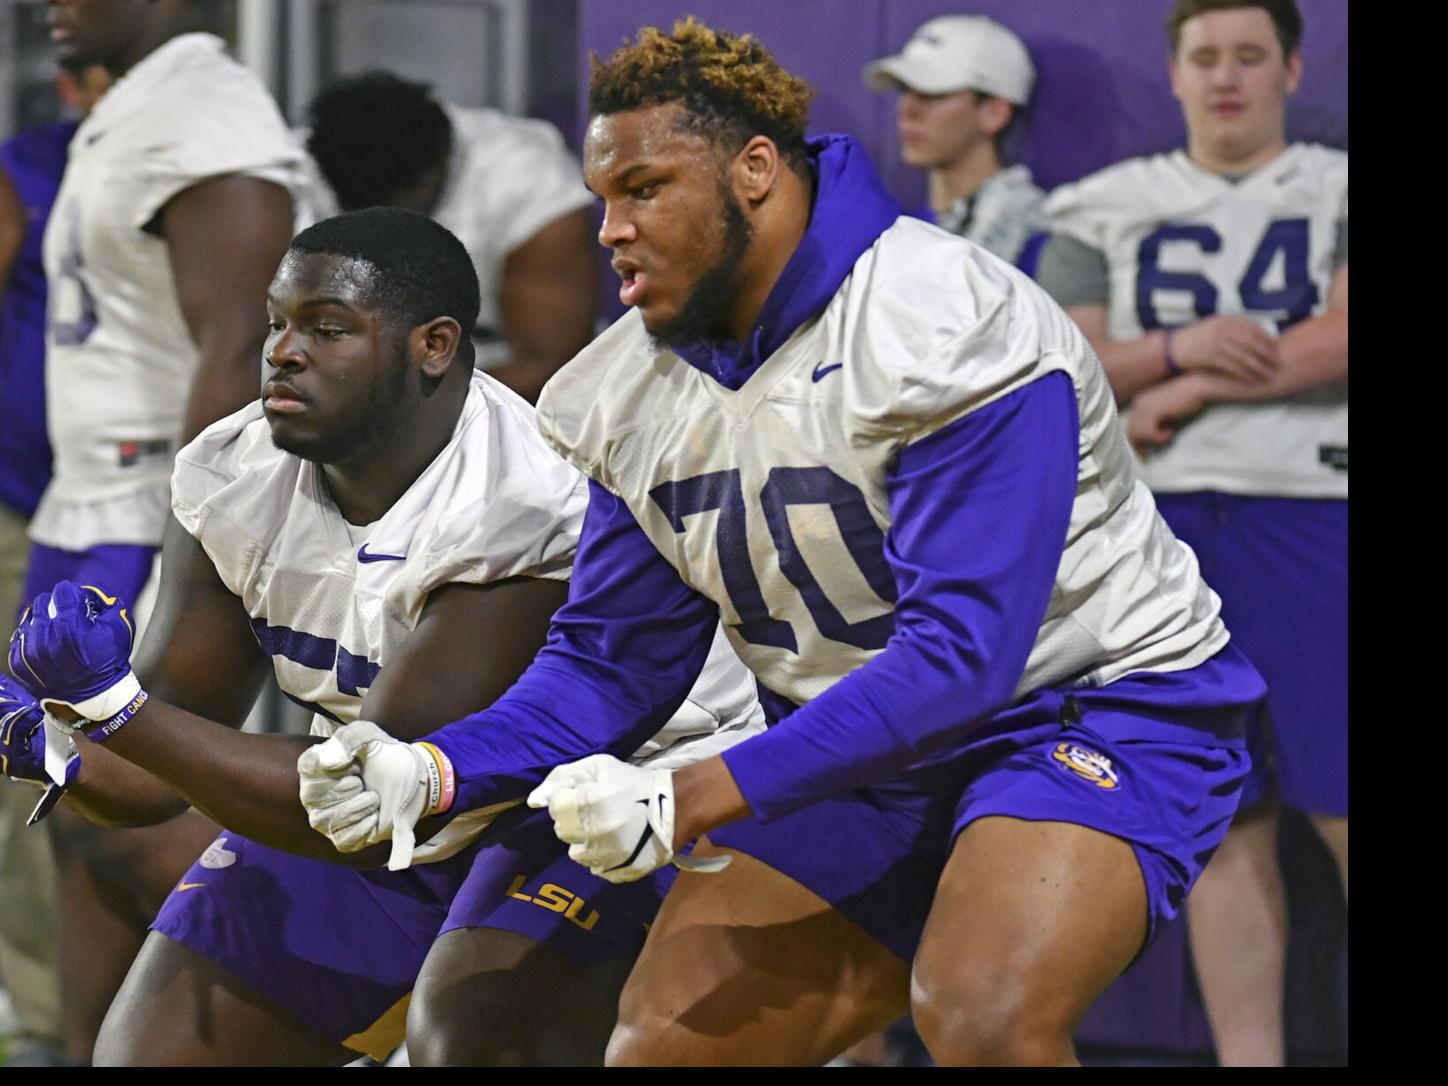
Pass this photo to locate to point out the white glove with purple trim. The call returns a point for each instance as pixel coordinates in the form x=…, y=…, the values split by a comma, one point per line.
x=617, y=818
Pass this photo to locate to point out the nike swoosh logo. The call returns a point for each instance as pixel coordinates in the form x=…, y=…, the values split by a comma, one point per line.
x=821, y=369
x=363, y=556
x=188, y=886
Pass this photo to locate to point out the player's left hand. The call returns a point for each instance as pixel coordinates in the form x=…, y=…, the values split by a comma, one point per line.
x=73, y=648
x=618, y=819
x=31, y=748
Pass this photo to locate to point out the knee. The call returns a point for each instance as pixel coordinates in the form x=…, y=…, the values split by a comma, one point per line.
x=113, y=1047
x=481, y=1033
x=642, y=1038
x=995, y=1024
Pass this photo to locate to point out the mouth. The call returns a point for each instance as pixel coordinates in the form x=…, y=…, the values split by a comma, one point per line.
x=635, y=281
x=1227, y=109
x=280, y=398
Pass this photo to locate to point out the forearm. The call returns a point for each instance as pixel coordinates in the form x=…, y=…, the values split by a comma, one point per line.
x=227, y=378
x=247, y=783
x=1313, y=355
x=111, y=792
x=1132, y=365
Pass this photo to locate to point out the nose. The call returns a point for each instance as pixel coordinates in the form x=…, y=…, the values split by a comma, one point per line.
x=283, y=350
x=1226, y=72
x=908, y=104
x=616, y=228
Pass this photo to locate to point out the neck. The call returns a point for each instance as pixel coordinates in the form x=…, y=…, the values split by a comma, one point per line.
x=964, y=176
x=779, y=227
x=1228, y=161
x=366, y=485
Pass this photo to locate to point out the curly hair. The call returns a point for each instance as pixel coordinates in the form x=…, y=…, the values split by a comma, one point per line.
x=730, y=86
x=374, y=135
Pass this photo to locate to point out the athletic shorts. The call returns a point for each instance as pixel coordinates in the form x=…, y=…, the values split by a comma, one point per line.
x=340, y=948
x=119, y=569
x=1280, y=566
x=1057, y=756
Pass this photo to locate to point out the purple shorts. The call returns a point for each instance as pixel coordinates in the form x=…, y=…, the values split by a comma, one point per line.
x=121, y=569
x=1280, y=566
x=1171, y=798
x=340, y=948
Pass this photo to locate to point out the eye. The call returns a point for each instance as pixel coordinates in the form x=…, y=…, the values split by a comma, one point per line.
x=274, y=325
x=329, y=331
x=647, y=191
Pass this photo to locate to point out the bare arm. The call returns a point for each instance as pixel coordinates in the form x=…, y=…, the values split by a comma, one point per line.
x=226, y=237
x=548, y=302
x=470, y=645
x=1225, y=345
x=12, y=226
x=1313, y=354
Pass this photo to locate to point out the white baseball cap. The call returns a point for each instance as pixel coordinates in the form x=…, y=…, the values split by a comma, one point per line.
x=955, y=53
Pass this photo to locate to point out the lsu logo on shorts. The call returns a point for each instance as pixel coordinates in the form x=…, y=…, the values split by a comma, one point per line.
x=1086, y=764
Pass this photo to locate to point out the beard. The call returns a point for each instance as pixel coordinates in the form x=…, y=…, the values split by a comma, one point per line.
x=363, y=430
x=715, y=292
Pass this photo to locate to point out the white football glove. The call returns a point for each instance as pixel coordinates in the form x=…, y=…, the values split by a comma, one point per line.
x=362, y=786
x=618, y=819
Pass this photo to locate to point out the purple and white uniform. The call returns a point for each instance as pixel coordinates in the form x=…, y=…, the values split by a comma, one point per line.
x=1259, y=490
x=332, y=604
x=911, y=500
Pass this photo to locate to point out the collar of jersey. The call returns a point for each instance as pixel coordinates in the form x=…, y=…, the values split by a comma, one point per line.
x=851, y=210
x=157, y=67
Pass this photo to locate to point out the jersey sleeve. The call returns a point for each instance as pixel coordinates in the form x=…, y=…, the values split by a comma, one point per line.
x=974, y=580
x=976, y=331
x=622, y=655
x=531, y=180
x=234, y=128
x=1072, y=272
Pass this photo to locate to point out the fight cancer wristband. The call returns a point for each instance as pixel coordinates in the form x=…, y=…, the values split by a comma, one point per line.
x=442, y=782
x=99, y=732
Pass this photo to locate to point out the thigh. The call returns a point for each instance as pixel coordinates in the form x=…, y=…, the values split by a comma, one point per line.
x=1031, y=922
x=335, y=948
x=747, y=966
x=180, y=1008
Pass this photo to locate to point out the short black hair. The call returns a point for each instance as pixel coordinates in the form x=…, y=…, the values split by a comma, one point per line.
x=422, y=270
x=375, y=134
x=1286, y=19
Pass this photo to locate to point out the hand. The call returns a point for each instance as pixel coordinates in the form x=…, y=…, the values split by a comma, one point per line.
x=362, y=786
x=1232, y=345
x=73, y=646
x=30, y=748
x=617, y=818
x=1159, y=412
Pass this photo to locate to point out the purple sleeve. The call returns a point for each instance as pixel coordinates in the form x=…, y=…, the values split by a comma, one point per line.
x=621, y=656
x=980, y=512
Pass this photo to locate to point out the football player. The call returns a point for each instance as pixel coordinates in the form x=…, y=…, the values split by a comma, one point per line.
x=1007, y=719
x=1212, y=281
x=386, y=531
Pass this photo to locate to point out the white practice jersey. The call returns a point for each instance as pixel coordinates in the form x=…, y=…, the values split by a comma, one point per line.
x=926, y=329
x=1182, y=244
x=508, y=178
x=119, y=361
x=332, y=603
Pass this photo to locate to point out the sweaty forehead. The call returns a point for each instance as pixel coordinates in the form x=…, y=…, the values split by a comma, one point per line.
x=1229, y=27
x=616, y=142
x=305, y=276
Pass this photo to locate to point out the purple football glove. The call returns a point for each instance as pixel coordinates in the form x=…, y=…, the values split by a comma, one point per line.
x=29, y=751
x=73, y=648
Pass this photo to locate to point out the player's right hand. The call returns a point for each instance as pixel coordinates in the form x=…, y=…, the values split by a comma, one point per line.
x=31, y=749
x=362, y=786
x=1232, y=345
x=73, y=648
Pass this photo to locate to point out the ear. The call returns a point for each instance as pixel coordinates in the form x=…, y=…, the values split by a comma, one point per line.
x=755, y=169
x=435, y=345
x=995, y=113
x=1294, y=71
